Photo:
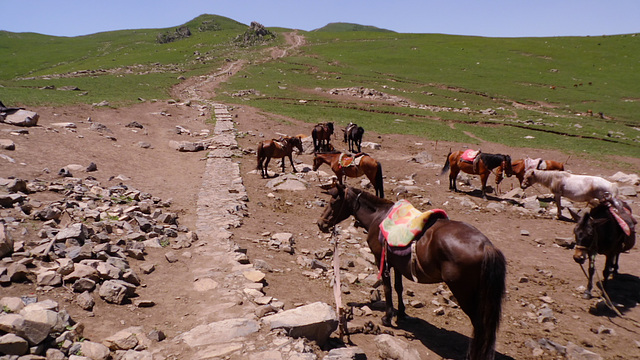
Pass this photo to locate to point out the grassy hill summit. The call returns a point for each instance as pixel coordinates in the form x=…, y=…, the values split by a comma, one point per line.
x=342, y=26
x=578, y=94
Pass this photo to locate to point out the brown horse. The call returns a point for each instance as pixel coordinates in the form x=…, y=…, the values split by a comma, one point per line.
x=321, y=135
x=448, y=251
x=482, y=166
x=277, y=149
x=607, y=229
x=366, y=166
x=518, y=168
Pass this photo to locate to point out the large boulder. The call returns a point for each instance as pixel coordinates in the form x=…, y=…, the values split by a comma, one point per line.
x=314, y=321
x=21, y=118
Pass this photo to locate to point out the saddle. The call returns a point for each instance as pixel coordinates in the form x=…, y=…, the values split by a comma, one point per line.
x=536, y=164
x=346, y=160
x=401, y=226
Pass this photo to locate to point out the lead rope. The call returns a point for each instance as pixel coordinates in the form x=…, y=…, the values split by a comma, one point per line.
x=604, y=296
x=337, y=286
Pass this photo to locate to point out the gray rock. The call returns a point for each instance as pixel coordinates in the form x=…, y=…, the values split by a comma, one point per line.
x=628, y=191
x=34, y=332
x=22, y=118
x=75, y=231
x=85, y=301
x=11, y=344
x=94, y=351
x=49, y=278
x=112, y=292
x=13, y=304
x=220, y=332
x=314, y=321
x=6, y=243
x=287, y=182
x=84, y=284
x=390, y=347
x=346, y=353
x=7, y=144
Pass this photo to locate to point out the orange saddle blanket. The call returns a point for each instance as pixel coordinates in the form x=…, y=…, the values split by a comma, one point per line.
x=346, y=160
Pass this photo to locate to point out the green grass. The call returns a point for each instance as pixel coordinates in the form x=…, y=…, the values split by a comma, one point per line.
x=539, y=90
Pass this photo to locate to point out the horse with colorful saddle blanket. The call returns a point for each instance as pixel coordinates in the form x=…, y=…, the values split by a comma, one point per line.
x=402, y=225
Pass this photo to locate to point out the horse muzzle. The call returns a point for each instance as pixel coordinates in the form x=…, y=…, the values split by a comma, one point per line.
x=579, y=256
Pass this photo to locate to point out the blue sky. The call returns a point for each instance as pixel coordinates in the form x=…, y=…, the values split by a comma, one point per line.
x=493, y=18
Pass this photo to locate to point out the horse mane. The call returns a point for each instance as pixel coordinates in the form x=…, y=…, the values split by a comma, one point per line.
x=371, y=199
x=492, y=161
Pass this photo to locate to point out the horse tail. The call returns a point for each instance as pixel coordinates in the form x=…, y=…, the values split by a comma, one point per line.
x=446, y=164
x=379, y=182
x=260, y=153
x=489, y=311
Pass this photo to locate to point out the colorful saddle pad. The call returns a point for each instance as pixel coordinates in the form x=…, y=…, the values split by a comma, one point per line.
x=346, y=160
x=469, y=155
x=404, y=222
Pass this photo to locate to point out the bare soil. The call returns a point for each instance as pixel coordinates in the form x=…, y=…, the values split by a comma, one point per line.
x=539, y=272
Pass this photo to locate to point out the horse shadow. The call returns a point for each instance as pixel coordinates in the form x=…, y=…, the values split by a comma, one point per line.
x=624, y=292
x=445, y=343
x=478, y=194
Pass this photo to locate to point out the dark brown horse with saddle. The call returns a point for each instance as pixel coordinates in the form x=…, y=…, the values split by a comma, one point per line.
x=477, y=164
x=277, y=149
x=607, y=229
x=443, y=250
x=321, y=135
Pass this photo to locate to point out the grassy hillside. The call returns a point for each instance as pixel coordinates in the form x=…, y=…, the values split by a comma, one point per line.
x=578, y=94
x=341, y=27
x=118, y=66
x=537, y=92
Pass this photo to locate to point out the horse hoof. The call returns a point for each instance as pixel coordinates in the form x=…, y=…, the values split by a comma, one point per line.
x=586, y=296
x=386, y=321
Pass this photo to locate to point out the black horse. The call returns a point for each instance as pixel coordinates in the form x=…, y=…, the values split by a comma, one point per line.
x=607, y=229
x=353, y=137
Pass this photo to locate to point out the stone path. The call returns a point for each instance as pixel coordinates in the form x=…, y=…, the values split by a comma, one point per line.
x=229, y=285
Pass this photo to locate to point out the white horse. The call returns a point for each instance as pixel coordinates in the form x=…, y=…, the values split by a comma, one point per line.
x=580, y=188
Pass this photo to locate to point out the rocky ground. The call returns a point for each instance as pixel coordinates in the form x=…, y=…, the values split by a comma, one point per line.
x=197, y=247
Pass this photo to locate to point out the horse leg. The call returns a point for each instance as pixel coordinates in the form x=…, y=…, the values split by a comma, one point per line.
x=290, y=160
x=266, y=167
x=282, y=163
x=453, y=175
x=388, y=297
x=557, y=198
x=398, y=287
x=483, y=179
x=592, y=268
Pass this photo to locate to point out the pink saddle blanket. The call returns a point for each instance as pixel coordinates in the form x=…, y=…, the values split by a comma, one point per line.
x=469, y=155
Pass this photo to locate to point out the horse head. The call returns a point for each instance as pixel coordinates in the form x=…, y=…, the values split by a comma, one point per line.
x=584, y=235
x=337, y=210
x=296, y=142
x=527, y=180
x=329, y=126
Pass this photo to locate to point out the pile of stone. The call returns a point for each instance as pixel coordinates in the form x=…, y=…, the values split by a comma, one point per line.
x=85, y=238
x=39, y=328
